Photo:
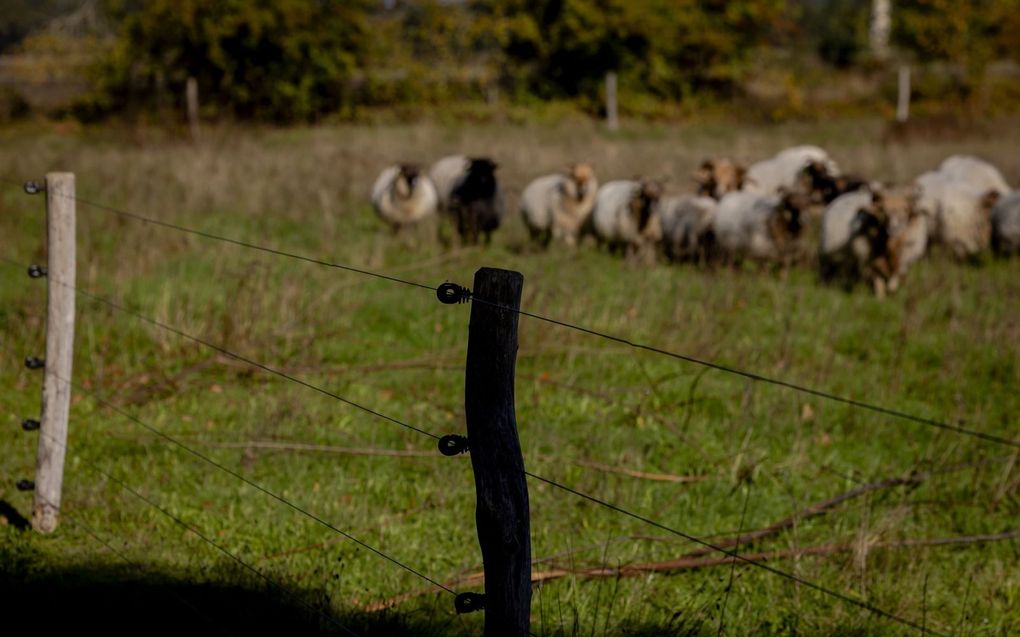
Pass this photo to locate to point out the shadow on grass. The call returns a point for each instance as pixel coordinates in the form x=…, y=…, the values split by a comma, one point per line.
x=105, y=599
x=119, y=599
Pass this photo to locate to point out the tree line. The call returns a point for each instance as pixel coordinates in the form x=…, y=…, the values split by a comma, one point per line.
x=301, y=60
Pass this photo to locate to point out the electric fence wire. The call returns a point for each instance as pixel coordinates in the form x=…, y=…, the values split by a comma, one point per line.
x=728, y=369
x=202, y=536
x=170, y=439
x=234, y=355
x=738, y=557
x=75, y=521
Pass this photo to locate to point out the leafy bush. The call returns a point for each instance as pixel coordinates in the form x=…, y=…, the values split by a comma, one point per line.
x=276, y=60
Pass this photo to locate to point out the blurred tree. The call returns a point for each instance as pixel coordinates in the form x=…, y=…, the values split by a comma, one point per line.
x=970, y=33
x=280, y=60
x=670, y=48
x=836, y=29
x=19, y=17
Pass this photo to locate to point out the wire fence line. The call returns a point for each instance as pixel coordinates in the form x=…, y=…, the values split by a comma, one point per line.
x=221, y=467
x=239, y=357
x=205, y=538
x=863, y=604
x=141, y=567
x=603, y=503
x=741, y=558
x=728, y=369
x=732, y=554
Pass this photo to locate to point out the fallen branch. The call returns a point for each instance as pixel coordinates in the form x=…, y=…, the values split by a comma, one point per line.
x=692, y=563
x=697, y=556
x=689, y=563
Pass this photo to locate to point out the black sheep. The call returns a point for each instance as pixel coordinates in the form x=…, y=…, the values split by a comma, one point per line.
x=476, y=203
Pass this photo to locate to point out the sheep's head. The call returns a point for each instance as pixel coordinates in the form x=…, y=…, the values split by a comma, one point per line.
x=481, y=173
x=716, y=177
x=872, y=234
x=816, y=181
x=583, y=177
x=407, y=179
x=789, y=213
x=988, y=201
x=644, y=203
x=897, y=205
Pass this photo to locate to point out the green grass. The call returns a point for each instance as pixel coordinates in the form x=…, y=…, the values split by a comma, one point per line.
x=947, y=347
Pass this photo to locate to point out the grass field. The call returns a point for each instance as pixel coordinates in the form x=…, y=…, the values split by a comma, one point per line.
x=947, y=346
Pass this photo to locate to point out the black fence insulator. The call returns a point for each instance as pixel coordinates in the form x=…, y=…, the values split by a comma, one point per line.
x=30, y=424
x=469, y=602
x=36, y=271
x=25, y=485
x=453, y=444
x=451, y=293
x=34, y=362
x=34, y=187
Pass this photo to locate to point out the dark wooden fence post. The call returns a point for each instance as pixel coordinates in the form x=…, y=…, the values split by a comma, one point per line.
x=504, y=528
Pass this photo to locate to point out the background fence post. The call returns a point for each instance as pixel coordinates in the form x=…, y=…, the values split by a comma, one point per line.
x=501, y=513
x=191, y=97
x=903, y=96
x=56, y=394
x=612, y=117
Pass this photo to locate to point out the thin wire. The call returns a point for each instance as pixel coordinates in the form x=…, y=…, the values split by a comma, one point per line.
x=92, y=533
x=203, y=537
x=233, y=355
x=252, y=484
x=225, y=469
x=790, y=576
x=690, y=359
x=766, y=379
x=238, y=242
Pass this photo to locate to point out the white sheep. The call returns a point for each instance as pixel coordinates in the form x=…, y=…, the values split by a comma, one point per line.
x=977, y=173
x=874, y=236
x=958, y=210
x=687, y=226
x=402, y=196
x=762, y=227
x=964, y=220
x=556, y=206
x=445, y=174
x=1006, y=225
x=626, y=216
x=783, y=171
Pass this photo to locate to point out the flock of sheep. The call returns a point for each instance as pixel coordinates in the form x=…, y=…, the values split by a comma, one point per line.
x=866, y=231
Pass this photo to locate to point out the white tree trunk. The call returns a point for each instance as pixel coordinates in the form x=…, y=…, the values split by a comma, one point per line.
x=881, y=25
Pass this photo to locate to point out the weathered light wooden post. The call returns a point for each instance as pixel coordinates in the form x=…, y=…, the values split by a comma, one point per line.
x=501, y=513
x=903, y=95
x=56, y=394
x=612, y=116
x=191, y=98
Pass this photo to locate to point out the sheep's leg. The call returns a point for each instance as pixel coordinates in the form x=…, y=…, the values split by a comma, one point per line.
x=878, y=283
x=893, y=284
